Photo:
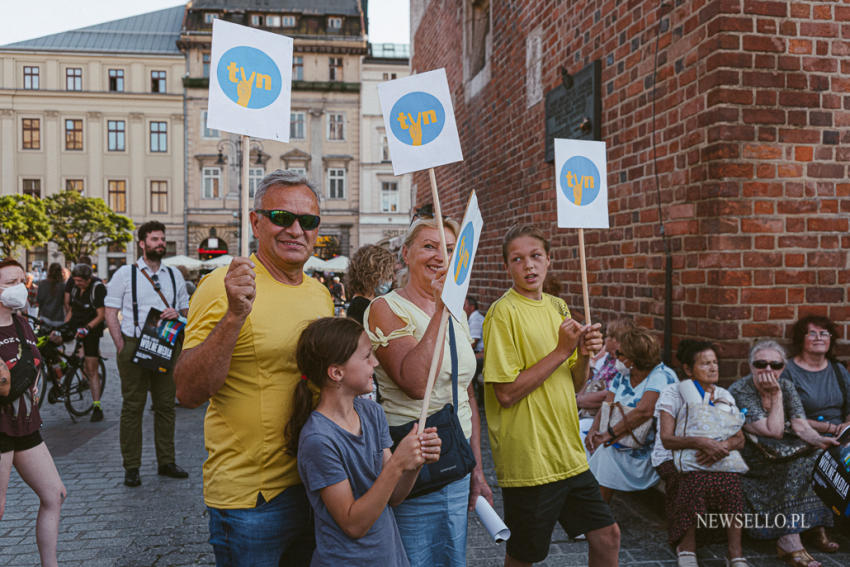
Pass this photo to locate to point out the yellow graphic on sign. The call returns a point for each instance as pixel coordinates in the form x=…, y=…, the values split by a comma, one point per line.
x=578, y=185
x=462, y=259
x=406, y=122
x=245, y=86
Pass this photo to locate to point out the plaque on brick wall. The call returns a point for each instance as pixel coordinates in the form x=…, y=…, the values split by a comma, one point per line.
x=574, y=108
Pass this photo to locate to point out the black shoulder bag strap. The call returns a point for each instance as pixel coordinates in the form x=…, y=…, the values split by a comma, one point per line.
x=135, y=299
x=173, y=287
x=453, y=349
x=843, y=386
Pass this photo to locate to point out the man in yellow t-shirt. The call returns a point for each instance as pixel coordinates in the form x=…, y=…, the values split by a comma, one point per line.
x=536, y=358
x=239, y=353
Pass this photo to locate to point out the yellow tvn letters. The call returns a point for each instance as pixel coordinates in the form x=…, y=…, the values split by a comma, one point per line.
x=463, y=258
x=406, y=122
x=244, y=86
x=578, y=185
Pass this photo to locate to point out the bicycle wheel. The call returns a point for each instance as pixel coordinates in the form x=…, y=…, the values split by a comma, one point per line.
x=77, y=391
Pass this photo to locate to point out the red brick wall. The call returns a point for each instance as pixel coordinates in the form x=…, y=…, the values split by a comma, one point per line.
x=753, y=108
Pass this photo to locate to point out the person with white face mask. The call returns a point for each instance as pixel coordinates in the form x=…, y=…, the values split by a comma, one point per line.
x=20, y=441
x=642, y=378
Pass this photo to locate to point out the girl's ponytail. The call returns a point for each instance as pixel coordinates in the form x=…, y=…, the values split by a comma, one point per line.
x=325, y=342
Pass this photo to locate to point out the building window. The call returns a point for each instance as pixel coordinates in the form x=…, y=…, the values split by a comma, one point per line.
x=73, y=79
x=31, y=133
x=389, y=196
x=385, y=148
x=115, y=135
x=209, y=17
x=157, y=81
x=389, y=76
x=477, y=34
x=32, y=187
x=298, y=68
x=117, y=194
x=288, y=21
x=74, y=185
x=159, y=196
x=336, y=126
x=272, y=21
x=335, y=68
x=211, y=181
x=255, y=175
x=73, y=134
x=336, y=183
x=257, y=20
x=301, y=170
x=159, y=136
x=205, y=59
x=116, y=80
x=334, y=23
x=296, y=125
x=208, y=132
x=31, y=77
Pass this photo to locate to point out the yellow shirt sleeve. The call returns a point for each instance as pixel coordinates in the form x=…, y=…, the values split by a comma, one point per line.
x=502, y=362
x=206, y=309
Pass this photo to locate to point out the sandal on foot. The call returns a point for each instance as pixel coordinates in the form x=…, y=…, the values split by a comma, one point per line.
x=820, y=540
x=686, y=559
x=737, y=562
x=796, y=558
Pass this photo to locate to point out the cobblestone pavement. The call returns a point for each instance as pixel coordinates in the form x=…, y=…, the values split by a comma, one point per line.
x=164, y=522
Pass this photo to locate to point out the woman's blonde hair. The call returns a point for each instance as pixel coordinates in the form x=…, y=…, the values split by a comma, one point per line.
x=369, y=266
x=419, y=224
x=639, y=346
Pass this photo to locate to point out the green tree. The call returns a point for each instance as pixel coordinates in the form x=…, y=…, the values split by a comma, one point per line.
x=81, y=225
x=24, y=223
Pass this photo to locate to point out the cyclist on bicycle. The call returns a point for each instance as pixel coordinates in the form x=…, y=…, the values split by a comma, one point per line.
x=85, y=312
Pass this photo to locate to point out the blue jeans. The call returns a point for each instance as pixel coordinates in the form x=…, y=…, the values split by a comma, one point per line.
x=274, y=533
x=433, y=526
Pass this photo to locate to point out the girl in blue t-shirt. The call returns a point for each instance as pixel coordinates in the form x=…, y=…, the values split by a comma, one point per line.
x=343, y=449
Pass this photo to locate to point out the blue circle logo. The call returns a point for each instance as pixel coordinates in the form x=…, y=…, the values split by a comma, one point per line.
x=579, y=180
x=249, y=77
x=464, y=253
x=417, y=118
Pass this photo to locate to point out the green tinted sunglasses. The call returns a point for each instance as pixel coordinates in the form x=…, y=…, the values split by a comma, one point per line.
x=285, y=218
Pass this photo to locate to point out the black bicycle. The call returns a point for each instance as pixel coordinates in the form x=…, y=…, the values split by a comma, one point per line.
x=65, y=373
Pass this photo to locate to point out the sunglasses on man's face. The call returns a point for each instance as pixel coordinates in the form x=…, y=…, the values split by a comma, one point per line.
x=774, y=364
x=286, y=218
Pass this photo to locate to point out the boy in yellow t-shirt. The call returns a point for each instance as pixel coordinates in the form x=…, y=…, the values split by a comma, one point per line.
x=536, y=359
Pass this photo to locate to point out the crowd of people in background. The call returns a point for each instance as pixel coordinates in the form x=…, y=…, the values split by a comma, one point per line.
x=314, y=454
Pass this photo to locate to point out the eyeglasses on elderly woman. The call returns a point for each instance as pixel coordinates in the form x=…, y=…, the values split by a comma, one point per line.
x=774, y=364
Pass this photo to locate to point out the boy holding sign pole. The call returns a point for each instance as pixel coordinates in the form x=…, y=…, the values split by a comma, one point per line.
x=536, y=360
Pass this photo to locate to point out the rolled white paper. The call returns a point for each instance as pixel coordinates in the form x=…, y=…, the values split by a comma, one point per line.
x=491, y=521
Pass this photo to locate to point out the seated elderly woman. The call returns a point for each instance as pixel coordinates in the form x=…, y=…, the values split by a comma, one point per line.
x=601, y=373
x=780, y=452
x=823, y=385
x=689, y=494
x=636, y=388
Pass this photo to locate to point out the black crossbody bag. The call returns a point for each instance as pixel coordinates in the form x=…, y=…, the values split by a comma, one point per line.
x=456, y=458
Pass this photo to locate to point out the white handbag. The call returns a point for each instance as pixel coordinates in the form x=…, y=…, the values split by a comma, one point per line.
x=612, y=413
x=698, y=418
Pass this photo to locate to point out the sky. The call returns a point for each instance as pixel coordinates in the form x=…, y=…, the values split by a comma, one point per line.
x=388, y=22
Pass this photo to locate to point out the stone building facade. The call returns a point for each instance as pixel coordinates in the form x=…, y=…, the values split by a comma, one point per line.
x=325, y=130
x=98, y=110
x=725, y=121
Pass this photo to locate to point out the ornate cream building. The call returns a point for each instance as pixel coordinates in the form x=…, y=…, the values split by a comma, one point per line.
x=99, y=110
x=325, y=134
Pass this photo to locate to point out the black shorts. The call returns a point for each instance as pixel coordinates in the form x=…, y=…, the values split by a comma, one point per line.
x=531, y=513
x=9, y=443
x=91, y=343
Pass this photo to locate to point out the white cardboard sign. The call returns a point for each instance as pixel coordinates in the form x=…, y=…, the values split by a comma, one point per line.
x=457, y=280
x=420, y=121
x=581, y=184
x=250, y=82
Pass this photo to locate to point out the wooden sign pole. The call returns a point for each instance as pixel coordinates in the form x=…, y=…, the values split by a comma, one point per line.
x=583, y=263
x=246, y=161
x=436, y=358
